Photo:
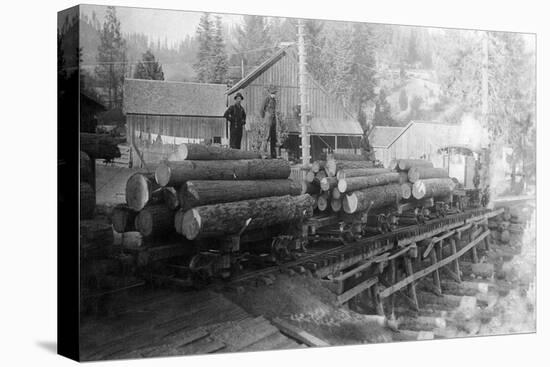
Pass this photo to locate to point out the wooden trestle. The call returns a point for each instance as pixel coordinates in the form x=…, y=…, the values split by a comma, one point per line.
x=442, y=247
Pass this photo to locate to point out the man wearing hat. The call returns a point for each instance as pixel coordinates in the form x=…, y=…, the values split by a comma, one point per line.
x=236, y=115
x=268, y=113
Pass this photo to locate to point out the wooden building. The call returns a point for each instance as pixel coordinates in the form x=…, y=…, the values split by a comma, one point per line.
x=418, y=139
x=331, y=125
x=162, y=114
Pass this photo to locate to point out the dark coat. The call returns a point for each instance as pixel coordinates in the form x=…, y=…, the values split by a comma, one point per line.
x=236, y=115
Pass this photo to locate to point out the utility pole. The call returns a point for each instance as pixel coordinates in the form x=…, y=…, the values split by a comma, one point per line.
x=303, y=96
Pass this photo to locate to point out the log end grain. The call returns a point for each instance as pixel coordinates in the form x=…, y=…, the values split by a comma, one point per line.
x=310, y=176
x=406, y=191
x=138, y=191
x=342, y=185
x=191, y=224
x=322, y=202
x=162, y=174
x=336, y=205
x=350, y=203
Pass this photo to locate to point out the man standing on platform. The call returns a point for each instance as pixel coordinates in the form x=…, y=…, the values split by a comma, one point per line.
x=236, y=116
x=268, y=113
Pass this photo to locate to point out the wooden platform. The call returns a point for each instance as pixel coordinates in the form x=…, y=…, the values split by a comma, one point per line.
x=169, y=323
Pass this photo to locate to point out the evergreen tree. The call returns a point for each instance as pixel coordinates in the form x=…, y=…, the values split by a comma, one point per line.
x=205, y=34
x=403, y=100
x=315, y=42
x=111, y=58
x=254, y=42
x=413, y=54
x=219, y=55
x=382, y=111
x=148, y=68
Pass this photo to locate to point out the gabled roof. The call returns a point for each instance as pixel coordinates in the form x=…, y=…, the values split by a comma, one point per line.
x=387, y=135
x=155, y=97
x=383, y=136
x=318, y=125
x=324, y=126
x=260, y=69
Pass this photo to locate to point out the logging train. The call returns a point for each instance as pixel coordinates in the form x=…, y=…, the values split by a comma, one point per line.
x=231, y=210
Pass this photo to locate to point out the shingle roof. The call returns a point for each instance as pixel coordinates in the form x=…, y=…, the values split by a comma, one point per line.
x=156, y=97
x=382, y=136
x=323, y=126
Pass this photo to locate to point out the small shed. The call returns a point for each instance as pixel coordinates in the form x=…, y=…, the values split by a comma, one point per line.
x=331, y=125
x=418, y=139
x=161, y=114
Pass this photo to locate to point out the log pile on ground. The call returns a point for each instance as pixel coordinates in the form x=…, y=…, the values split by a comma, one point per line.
x=209, y=191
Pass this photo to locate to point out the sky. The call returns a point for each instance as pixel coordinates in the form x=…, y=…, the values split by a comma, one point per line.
x=174, y=25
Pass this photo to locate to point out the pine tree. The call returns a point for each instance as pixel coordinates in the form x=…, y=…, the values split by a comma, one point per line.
x=315, y=41
x=219, y=55
x=148, y=68
x=382, y=111
x=413, y=55
x=403, y=100
x=254, y=43
x=111, y=58
x=203, y=65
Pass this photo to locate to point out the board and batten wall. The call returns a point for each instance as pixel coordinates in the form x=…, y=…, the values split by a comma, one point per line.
x=419, y=140
x=144, y=130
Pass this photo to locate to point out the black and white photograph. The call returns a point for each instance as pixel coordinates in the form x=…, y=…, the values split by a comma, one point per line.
x=261, y=183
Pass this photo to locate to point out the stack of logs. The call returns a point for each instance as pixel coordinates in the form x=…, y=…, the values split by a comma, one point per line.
x=209, y=191
x=352, y=184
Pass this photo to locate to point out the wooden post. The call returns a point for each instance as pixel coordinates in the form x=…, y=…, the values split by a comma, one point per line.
x=475, y=258
x=456, y=265
x=435, y=275
x=412, y=286
x=303, y=95
x=393, y=280
x=376, y=299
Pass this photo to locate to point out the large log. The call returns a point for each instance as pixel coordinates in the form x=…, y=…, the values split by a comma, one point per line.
x=100, y=146
x=406, y=190
x=332, y=166
x=318, y=166
x=140, y=190
x=230, y=218
x=371, y=198
x=336, y=205
x=420, y=173
x=155, y=220
x=87, y=201
x=358, y=172
x=197, y=193
x=201, y=152
x=123, y=218
x=335, y=193
x=177, y=173
x=406, y=164
x=328, y=183
x=309, y=176
x=433, y=187
x=323, y=201
x=363, y=182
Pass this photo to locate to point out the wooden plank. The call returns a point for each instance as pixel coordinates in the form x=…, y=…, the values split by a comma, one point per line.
x=298, y=334
x=349, y=294
x=411, y=278
x=432, y=233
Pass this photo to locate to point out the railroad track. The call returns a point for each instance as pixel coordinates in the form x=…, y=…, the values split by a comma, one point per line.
x=338, y=258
